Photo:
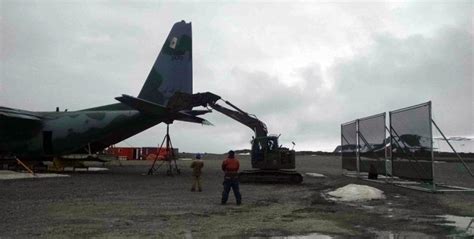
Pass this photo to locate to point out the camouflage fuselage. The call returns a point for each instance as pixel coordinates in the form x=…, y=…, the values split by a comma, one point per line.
x=71, y=132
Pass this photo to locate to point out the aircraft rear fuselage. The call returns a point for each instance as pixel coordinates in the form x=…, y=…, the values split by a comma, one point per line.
x=60, y=133
x=36, y=135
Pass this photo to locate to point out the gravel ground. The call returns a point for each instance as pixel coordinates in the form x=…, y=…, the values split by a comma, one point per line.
x=122, y=202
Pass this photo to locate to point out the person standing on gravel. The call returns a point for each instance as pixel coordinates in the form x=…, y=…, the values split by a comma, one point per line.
x=231, y=166
x=197, y=165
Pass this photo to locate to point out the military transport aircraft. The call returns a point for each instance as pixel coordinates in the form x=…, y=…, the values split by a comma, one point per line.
x=44, y=135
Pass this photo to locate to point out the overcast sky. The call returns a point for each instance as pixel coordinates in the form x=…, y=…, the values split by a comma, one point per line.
x=303, y=68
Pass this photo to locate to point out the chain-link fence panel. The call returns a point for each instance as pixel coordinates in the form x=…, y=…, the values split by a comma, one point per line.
x=349, y=146
x=372, y=141
x=411, y=142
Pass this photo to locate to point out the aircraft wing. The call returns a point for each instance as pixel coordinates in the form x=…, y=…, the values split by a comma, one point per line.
x=18, y=114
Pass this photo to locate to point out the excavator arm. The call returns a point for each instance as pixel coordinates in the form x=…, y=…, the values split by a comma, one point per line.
x=242, y=117
x=183, y=101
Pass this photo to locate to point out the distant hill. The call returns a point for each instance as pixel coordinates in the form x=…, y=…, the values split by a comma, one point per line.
x=242, y=151
x=314, y=153
x=247, y=151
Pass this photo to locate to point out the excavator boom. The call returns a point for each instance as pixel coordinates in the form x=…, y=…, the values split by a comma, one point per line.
x=239, y=115
x=184, y=101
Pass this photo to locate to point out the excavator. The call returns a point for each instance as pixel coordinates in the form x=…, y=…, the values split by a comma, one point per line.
x=271, y=163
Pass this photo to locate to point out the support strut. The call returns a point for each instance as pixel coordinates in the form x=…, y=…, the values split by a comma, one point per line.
x=169, y=158
x=25, y=166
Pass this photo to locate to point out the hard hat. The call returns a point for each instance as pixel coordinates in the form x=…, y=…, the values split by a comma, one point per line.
x=198, y=156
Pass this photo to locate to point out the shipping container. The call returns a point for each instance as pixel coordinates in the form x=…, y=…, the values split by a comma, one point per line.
x=146, y=151
x=151, y=153
x=128, y=153
x=132, y=153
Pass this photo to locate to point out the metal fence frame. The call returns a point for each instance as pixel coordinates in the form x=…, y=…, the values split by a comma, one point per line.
x=356, y=143
x=360, y=136
x=432, y=186
x=416, y=164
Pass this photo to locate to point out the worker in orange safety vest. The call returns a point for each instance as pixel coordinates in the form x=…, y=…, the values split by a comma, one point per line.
x=231, y=166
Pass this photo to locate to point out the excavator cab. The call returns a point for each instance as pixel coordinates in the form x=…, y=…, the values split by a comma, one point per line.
x=266, y=154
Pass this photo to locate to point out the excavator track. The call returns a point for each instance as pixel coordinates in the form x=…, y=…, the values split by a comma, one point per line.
x=270, y=176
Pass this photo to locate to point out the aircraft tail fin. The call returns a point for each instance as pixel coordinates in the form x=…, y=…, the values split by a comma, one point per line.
x=173, y=68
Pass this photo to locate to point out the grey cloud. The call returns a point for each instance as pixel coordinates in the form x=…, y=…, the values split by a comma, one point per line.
x=401, y=72
x=431, y=15
x=273, y=60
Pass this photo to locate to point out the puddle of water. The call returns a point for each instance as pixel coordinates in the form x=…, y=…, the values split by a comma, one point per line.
x=188, y=235
x=185, y=159
x=460, y=223
x=316, y=175
x=402, y=234
x=309, y=236
x=367, y=207
x=86, y=169
x=11, y=175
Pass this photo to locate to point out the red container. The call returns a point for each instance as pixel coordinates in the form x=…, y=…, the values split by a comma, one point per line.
x=152, y=153
x=131, y=153
x=127, y=153
x=146, y=151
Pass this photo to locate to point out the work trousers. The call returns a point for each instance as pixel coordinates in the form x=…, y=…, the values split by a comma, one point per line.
x=234, y=184
x=196, y=182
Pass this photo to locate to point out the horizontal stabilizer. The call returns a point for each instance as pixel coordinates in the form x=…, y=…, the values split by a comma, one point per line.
x=191, y=118
x=142, y=105
x=196, y=112
x=169, y=116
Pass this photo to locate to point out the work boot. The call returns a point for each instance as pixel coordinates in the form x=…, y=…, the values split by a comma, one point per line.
x=192, y=189
x=200, y=190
